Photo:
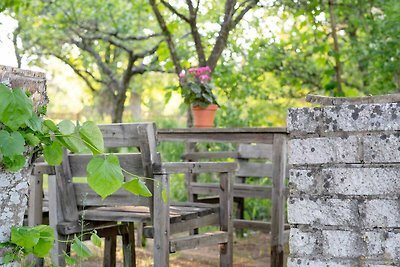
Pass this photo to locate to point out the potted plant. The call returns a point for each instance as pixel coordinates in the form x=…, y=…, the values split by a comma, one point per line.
x=197, y=91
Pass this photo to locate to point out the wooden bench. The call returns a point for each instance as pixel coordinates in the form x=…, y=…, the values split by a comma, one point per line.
x=69, y=201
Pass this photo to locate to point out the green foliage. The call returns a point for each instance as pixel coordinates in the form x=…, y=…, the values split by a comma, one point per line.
x=91, y=134
x=24, y=241
x=105, y=175
x=137, y=187
x=18, y=136
x=15, y=107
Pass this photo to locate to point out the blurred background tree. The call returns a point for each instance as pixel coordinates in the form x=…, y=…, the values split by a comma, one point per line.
x=122, y=57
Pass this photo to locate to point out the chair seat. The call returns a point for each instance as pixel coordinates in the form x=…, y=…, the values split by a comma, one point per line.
x=178, y=212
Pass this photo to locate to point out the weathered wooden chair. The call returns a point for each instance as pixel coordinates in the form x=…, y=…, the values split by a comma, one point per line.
x=254, y=161
x=75, y=208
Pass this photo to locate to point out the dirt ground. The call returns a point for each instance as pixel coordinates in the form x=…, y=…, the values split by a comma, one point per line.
x=250, y=251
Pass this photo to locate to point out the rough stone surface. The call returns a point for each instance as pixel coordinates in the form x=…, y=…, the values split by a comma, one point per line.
x=13, y=192
x=14, y=186
x=318, y=211
x=33, y=81
x=324, y=150
x=383, y=148
x=368, y=181
x=344, y=204
x=345, y=118
x=381, y=213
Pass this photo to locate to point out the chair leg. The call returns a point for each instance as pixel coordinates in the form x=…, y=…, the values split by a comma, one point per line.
x=128, y=246
x=110, y=246
x=140, y=241
x=59, y=249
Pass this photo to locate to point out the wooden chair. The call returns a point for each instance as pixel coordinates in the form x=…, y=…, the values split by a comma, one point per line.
x=70, y=201
x=255, y=161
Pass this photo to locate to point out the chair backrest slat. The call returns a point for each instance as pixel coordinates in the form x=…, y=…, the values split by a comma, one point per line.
x=136, y=135
x=131, y=162
x=254, y=169
x=258, y=151
x=121, y=134
x=87, y=197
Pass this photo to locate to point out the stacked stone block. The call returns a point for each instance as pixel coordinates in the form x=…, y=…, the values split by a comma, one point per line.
x=344, y=203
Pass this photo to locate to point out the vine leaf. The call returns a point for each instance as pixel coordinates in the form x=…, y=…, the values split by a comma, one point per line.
x=53, y=154
x=25, y=237
x=138, y=187
x=96, y=240
x=91, y=134
x=35, y=123
x=71, y=139
x=14, y=163
x=46, y=240
x=11, y=144
x=105, y=175
x=80, y=249
x=15, y=107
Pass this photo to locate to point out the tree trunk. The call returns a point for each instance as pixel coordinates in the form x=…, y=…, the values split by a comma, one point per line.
x=118, y=107
x=136, y=108
x=338, y=64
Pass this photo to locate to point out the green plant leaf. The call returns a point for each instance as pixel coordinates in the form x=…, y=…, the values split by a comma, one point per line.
x=69, y=260
x=35, y=123
x=164, y=195
x=11, y=144
x=104, y=175
x=9, y=257
x=80, y=248
x=46, y=240
x=14, y=163
x=93, y=137
x=96, y=240
x=71, y=140
x=25, y=237
x=51, y=126
x=137, y=187
x=15, y=107
x=53, y=154
x=31, y=139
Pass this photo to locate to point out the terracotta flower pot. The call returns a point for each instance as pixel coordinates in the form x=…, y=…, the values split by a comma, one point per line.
x=203, y=117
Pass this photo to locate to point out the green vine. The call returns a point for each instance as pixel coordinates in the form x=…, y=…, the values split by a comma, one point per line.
x=24, y=135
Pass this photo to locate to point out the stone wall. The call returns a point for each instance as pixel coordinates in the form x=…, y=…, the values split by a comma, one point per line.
x=344, y=205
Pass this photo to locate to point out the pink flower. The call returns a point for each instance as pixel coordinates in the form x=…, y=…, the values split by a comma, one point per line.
x=182, y=74
x=192, y=70
x=204, y=78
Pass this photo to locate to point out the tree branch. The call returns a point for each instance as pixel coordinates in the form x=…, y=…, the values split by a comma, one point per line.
x=102, y=65
x=174, y=10
x=168, y=37
x=252, y=3
x=195, y=33
x=80, y=73
x=223, y=34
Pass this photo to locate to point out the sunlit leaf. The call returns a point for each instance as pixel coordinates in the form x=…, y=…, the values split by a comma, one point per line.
x=105, y=175
x=137, y=187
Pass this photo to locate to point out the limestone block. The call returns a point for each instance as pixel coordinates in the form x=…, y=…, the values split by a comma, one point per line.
x=322, y=150
x=383, y=148
x=303, y=210
x=302, y=243
x=342, y=244
x=362, y=117
x=381, y=213
x=303, y=262
x=354, y=181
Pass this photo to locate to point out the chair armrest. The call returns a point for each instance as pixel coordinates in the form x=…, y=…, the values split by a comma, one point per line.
x=199, y=167
x=40, y=168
